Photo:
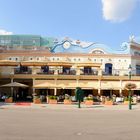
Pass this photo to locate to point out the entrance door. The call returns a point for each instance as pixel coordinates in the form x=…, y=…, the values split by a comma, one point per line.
x=22, y=94
x=66, y=70
x=87, y=70
x=108, y=69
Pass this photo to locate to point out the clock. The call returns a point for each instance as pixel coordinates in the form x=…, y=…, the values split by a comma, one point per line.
x=66, y=45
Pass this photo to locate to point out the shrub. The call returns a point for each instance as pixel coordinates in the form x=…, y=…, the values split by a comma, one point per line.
x=53, y=97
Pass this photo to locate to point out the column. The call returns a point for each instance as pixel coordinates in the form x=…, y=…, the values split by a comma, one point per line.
x=77, y=82
x=56, y=71
x=99, y=72
x=55, y=91
x=78, y=71
x=99, y=87
x=120, y=91
x=12, y=89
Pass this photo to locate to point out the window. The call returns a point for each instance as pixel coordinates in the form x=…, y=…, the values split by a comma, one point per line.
x=137, y=69
x=10, y=58
x=16, y=59
x=31, y=58
x=98, y=52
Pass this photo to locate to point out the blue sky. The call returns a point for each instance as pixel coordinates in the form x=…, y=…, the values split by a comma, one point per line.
x=105, y=21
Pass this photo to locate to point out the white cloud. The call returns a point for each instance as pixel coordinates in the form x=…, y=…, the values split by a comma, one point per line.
x=4, y=32
x=118, y=10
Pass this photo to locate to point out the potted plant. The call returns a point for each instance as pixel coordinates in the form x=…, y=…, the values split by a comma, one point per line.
x=89, y=100
x=9, y=99
x=108, y=101
x=67, y=99
x=126, y=101
x=36, y=100
x=52, y=100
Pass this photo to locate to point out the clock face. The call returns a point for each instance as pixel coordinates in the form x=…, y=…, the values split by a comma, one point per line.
x=66, y=45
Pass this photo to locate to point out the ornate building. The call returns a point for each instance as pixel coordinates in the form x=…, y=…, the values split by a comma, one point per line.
x=96, y=68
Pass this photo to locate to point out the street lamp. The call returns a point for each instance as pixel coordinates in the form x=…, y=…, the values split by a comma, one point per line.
x=129, y=92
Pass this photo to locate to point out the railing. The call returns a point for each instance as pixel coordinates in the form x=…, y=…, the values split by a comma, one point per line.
x=69, y=72
x=50, y=72
x=89, y=72
x=114, y=72
x=19, y=71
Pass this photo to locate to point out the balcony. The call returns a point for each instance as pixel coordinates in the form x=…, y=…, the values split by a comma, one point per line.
x=22, y=71
x=89, y=73
x=68, y=72
x=50, y=72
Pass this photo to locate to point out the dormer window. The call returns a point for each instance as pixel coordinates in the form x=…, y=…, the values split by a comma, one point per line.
x=98, y=52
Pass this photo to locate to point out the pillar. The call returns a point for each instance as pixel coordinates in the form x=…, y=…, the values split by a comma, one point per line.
x=12, y=89
x=99, y=91
x=33, y=89
x=55, y=91
x=99, y=72
x=56, y=71
x=78, y=71
x=120, y=91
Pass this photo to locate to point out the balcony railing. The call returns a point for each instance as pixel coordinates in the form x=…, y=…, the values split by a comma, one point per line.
x=19, y=71
x=114, y=72
x=69, y=72
x=89, y=73
x=50, y=72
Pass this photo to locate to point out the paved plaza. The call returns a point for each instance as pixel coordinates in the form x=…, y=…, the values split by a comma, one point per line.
x=60, y=122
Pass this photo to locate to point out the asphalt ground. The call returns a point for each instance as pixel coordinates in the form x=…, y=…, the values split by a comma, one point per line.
x=57, y=122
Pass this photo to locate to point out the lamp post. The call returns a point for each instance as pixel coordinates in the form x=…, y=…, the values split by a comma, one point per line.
x=129, y=92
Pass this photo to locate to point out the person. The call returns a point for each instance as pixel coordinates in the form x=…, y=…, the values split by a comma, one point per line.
x=4, y=97
x=134, y=98
x=114, y=98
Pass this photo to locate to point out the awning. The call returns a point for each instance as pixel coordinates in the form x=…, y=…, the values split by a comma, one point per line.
x=8, y=63
x=98, y=65
x=43, y=63
x=111, y=85
x=14, y=84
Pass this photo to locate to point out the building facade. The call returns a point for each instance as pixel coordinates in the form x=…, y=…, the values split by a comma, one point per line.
x=96, y=68
x=25, y=42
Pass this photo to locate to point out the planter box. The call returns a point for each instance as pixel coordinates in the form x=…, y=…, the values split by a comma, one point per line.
x=126, y=102
x=67, y=102
x=88, y=102
x=9, y=100
x=108, y=103
x=37, y=101
x=52, y=101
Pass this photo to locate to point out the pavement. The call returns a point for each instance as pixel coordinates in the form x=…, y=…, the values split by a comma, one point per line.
x=60, y=122
x=68, y=107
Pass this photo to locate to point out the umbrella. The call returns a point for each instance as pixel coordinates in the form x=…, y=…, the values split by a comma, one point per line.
x=14, y=84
